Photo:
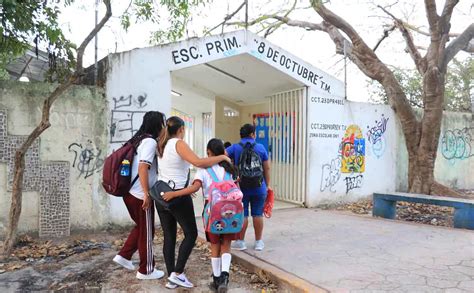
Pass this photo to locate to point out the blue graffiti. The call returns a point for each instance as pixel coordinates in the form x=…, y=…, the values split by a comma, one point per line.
x=457, y=144
x=375, y=135
x=378, y=148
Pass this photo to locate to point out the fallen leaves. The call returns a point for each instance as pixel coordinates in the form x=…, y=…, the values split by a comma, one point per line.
x=413, y=212
x=29, y=250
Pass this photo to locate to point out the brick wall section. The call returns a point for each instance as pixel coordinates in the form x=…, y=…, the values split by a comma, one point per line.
x=50, y=179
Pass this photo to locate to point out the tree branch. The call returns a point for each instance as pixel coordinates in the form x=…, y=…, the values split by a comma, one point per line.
x=303, y=24
x=463, y=42
x=431, y=14
x=92, y=34
x=19, y=163
x=274, y=27
x=420, y=61
x=337, y=21
x=448, y=10
x=373, y=67
x=227, y=18
x=422, y=32
x=386, y=33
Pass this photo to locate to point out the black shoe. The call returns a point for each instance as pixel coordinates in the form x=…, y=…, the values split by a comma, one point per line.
x=224, y=282
x=216, y=282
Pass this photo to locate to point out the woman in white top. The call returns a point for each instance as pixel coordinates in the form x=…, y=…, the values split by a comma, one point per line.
x=138, y=202
x=174, y=160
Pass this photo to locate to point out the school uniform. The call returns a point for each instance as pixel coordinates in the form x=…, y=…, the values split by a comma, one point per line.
x=141, y=236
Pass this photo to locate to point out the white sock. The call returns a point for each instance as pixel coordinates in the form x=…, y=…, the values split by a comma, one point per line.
x=226, y=258
x=216, y=266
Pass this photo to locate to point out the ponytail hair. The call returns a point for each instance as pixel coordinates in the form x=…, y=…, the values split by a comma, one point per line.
x=173, y=124
x=216, y=146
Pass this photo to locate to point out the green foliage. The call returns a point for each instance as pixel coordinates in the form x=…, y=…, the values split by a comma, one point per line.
x=459, y=83
x=34, y=23
x=172, y=15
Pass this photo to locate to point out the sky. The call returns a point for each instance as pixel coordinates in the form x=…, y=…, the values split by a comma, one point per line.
x=311, y=46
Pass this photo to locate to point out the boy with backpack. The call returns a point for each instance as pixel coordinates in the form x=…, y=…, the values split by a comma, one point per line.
x=251, y=160
x=223, y=211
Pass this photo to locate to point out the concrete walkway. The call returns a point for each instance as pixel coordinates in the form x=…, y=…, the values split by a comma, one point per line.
x=348, y=253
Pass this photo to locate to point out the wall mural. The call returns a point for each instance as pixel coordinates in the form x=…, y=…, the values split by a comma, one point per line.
x=352, y=150
x=352, y=156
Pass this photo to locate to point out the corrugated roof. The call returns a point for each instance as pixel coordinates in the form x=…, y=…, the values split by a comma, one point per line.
x=30, y=65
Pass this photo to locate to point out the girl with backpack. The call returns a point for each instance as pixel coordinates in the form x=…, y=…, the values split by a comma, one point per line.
x=220, y=243
x=174, y=160
x=138, y=201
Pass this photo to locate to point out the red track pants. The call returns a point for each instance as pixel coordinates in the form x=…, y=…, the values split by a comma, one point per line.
x=141, y=236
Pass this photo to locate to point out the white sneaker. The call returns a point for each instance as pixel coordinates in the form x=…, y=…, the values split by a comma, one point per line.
x=180, y=280
x=239, y=245
x=156, y=274
x=259, y=245
x=118, y=259
x=170, y=285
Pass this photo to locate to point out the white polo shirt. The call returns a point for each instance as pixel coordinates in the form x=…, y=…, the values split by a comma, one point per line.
x=206, y=179
x=146, y=153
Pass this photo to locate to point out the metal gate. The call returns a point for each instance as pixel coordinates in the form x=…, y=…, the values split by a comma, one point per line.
x=287, y=145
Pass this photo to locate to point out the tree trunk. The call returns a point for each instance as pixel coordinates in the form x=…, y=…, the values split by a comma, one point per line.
x=19, y=166
x=15, y=209
x=19, y=169
x=422, y=161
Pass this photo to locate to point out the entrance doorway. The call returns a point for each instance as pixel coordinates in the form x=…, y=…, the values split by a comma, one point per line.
x=241, y=91
x=287, y=144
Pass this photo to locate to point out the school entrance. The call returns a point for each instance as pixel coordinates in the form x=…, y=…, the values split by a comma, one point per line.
x=216, y=98
x=218, y=83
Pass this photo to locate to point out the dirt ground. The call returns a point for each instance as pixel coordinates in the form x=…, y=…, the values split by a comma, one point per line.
x=83, y=263
x=412, y=212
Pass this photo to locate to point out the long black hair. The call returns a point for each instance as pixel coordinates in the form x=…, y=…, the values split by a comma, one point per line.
x=153, y=123
x=216, y=147
x=173, y=124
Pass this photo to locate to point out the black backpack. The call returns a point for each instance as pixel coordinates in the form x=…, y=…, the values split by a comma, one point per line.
x=250, y=167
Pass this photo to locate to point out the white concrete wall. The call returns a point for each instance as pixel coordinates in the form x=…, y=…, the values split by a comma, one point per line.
x=226, y=128
x=194, y=101
x=455, y=158
x=249, y=110
x=78, y=124
x=330, y=122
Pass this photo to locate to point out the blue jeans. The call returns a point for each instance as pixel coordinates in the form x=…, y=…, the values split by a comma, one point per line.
x=256, y=203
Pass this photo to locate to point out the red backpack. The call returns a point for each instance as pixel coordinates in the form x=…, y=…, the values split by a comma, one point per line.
x=112, y=181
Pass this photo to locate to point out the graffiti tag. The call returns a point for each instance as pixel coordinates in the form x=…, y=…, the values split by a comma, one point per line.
x=458, y=144
x=375, y=135
x=124, y=122
x=376, y=132
x=330, y=174
x=87, y=159
x=353, y=182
